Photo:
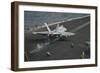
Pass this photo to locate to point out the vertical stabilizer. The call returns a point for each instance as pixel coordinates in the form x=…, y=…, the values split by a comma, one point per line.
x=57, y=27
x=47, y=27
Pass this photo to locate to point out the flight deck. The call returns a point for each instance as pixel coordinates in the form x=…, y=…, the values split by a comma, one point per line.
x=44, y=47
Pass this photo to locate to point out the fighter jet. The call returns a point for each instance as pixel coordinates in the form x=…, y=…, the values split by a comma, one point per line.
x=59, y=31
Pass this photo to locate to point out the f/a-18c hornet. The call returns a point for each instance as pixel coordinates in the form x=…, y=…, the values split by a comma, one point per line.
x=59, y=31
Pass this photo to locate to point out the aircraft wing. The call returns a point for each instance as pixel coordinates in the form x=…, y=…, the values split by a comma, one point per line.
x=40, y=32
x=63, y=33
x=55, y=33
x=68, y=34
x=46, y=32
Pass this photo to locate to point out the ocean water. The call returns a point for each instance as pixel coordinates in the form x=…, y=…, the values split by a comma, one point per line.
x=35, y=18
